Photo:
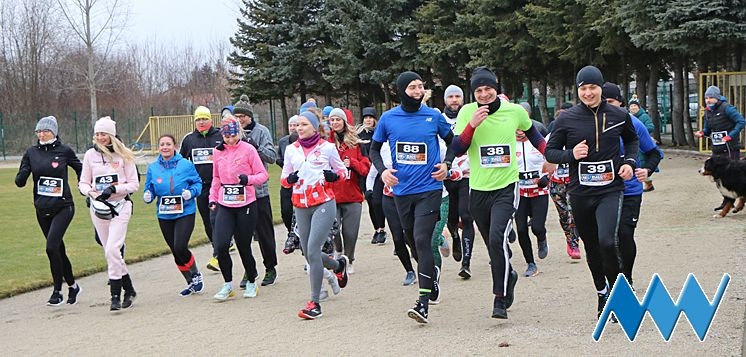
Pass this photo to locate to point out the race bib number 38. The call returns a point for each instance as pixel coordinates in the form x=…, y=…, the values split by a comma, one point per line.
x=49, y=186
x=411, y=153
x=104, y=181
x=171, y=205
x=202, y=156
x=494, y=155
x=234, y=194
x=596, y=173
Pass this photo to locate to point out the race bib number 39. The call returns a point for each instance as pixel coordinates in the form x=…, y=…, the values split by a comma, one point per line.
x=528, y=179
x=717, y=137
x=171, y=205
x=596, y=173
x=202, y=156
x=104, y=181
x=49, y=186
x=234, y=194
x=494, y=155
x=411, y=153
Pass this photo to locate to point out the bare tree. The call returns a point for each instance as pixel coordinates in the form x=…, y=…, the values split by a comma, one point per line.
x=98, y=24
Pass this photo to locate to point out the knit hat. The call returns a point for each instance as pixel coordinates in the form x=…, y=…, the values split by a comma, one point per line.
x=712, y=92
x=453, y=89
x=48, y=123
x=327, y=110
x=611, y=91
x=348, y=115
x=293, y=119
x=202, y=113
x=105, y=125
x=589, y=75
x=338, y=112
x=312, y=118
x=526, y=106
x=369, y=112
x=306, y=105
x=482, y=76
x=243, y=106
x=635, y=102
x=229, y=126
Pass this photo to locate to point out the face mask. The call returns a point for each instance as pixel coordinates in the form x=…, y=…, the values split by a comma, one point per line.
x=711, y=106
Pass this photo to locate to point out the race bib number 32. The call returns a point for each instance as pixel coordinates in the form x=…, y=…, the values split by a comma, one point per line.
x=49, y=186
x=233, y=194
x=202, y=156
x=596, y=173
x=411, y=153
x=104, y=181
x=494, y=155
x=171, y=205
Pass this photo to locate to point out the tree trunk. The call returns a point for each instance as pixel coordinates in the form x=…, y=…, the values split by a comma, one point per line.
x=677, y=124
x=642, y=79
x=386, y=95
x=543, y=102
x=685, y=113
x=284, y=110
x=91, y=80
x=653, y=107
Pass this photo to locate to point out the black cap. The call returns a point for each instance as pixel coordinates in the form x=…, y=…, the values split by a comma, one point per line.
x=611, y=90
x=369, y=112
x=482, y=76
x=589, y=75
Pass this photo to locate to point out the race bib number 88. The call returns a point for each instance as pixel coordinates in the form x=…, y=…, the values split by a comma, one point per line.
x=596, y=173
x=411, y=153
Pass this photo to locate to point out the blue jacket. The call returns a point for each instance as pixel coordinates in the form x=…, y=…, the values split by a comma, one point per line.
x=633, y=187
x=170, y=178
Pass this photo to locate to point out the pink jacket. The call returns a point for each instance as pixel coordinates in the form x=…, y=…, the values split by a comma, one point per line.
x=228, y=164
x=100, y=173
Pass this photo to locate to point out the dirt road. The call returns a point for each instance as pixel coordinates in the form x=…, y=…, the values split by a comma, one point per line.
x=554, y=312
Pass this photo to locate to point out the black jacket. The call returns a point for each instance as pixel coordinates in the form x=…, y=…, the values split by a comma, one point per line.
x=601, y=130
x=49, y=161
x=195, y=140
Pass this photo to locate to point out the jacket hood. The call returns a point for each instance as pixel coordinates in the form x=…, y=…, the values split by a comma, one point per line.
x=170, y=163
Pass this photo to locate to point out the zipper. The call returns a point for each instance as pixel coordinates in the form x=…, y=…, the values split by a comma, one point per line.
x=604, y=127
x=595, y=120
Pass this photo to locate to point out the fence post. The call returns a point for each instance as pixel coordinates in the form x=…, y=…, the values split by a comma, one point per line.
x=2, y=135
x=152, y=111
x=75, y=126
x=272, y=125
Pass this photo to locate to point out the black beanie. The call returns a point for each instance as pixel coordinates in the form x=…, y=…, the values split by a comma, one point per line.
x=482, y=76
x=611, y=90
x=589, y=75
x=408, y=103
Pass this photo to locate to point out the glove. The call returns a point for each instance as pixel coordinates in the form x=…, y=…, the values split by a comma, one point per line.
x=186, y=195
x=147, y=196
x=727, y=138
x=543, y=181
x=242, y=180
x=699, y=134
x=220, y=147
x=454, y=175
x=368, y=195
x=330, y=176
x=106, y=193
x=212, y=205
x=252, y=142
x=292, y=178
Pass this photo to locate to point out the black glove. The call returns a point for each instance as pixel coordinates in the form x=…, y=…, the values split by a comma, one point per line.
x=368, y=195
x=243, y=179
x=212, y=205
x=252, y=142
x=330, y=176
x=106, y=193
x=221, y=147
x=293, y=178
x=88, y=201
x=543, y=181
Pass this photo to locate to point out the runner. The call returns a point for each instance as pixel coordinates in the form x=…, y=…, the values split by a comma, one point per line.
x=374, y=193
x=286, y=204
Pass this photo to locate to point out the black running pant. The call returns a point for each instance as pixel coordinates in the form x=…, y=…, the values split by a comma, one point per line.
x=265, y=233
x=238, y=223
x=418, y=214
x=286, y=207
x=54, y=225
x=597, y=221
x=176, y=233
x=203, y=203
x=397, y=233
x=458, y=207
x=493, y=212
x=536, y=208
x=627, y=224
x=375, y=207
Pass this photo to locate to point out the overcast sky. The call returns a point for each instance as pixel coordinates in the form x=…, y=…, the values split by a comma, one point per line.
x=182, y=22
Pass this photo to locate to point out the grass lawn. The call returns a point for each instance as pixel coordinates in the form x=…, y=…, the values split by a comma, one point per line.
x=25, y=265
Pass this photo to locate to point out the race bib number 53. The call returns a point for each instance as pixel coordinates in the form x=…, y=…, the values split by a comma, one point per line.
x=596, y=173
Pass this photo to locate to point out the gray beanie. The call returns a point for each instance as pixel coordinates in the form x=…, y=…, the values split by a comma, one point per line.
x=452, y=89
x=312, y=118
x=339, y=113
x=243, y=106
x=293, y=119
x=526, y=106
x=48, y=123
x=712, y=92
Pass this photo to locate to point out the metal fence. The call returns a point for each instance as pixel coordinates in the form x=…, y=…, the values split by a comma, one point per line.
x=733, y=87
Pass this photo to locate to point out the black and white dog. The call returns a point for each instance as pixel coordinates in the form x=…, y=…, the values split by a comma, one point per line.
x=730, y=179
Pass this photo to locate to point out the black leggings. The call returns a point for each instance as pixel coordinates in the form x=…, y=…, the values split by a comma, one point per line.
x=375, y=205
x=458, y=207
x=418, y=214
x=597, y=221
x=203, y=206
x=240, y=223
x=54, y=226
x=286, y=207
x=176, y=233
x=265, y=233
x=536, y=208
x=397, y=234
x=627, y=224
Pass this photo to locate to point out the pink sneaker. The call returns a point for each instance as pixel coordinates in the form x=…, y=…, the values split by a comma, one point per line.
x=573, y=252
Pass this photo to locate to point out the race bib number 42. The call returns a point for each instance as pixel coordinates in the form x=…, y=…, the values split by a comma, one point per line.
x=596, y=173
x=411, y=153
x=494, y=155
x=234, y=194
x=171, y=205
x=104, y=181
x=202, y=156
x=49, y=186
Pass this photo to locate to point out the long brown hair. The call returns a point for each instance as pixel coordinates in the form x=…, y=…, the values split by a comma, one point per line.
x=350, y=137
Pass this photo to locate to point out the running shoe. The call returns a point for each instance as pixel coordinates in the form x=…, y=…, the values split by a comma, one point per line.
x=350, y=268
x=376, y=235
x=333, y=282
x=198, y=285
x=312, y=311
x=543, y=249
x=499, y=311
x=445, y=250
x=244, y=280
x=418, y=313
x=72, y=294
x=410, y=279
x=291, y=244
x=510, y=293
x=511, y=237
x=116, y=304
x=225, y=292
x=323, y=295
x=573, y=252
x=381, y=237
x=532, y=270
x=435, y=292
x=251, y=290
x=270, y=276
x=457, y=253
x=602, y=298
x=187, y=291
x=341, y=272
x=465, y=272
x=129, y=299
x=232, y=247
x=213, y=264
x=55, y=299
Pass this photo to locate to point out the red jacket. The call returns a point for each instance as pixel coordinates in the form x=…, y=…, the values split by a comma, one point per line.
x=346, y=191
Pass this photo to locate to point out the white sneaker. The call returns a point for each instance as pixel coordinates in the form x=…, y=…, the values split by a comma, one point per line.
x=323, y=295
x=225, y=292
x=350, y=269
x=251, y=290
x=331, y=278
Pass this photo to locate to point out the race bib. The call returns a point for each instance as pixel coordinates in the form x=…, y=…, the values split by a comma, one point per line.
x=411, y=153
x=49, y=186
x=494, y=155
x=563, y=170
x=202, y=156
x=596, y=173
x=717, y=137
x=234, y=194
x=528, y=179
x=102, y=182
x=171, y=205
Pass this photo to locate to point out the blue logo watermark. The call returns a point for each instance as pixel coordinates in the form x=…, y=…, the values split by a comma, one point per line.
x=693, y=302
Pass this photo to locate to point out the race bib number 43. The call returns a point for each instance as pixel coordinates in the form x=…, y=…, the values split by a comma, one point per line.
x=104, y=181
x=202, y=156
x=596, y=173
x=234, y=194
x=171, y=205
x=411, y=153
x=49, y=186
x=494, y=155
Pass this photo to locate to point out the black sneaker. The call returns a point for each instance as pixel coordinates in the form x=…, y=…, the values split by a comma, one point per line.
x=374, y=240
x=456, y=247
x=269, y=277
x=312, y=311
x=499, y=310
x=602, y=302
x=129, y=298
x=341, y=272
x=381, y=237
x=328, y=247
x=465, y=273
x=435, y=293
x=543, y=249
x=116, y=304
x=510, y=293
x=291, y=244
x=55, y=299
x=418, y=313
x=72, y=294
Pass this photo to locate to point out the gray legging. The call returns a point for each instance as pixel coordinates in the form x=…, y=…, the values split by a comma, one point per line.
x=314, y=224
x=348, y=216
